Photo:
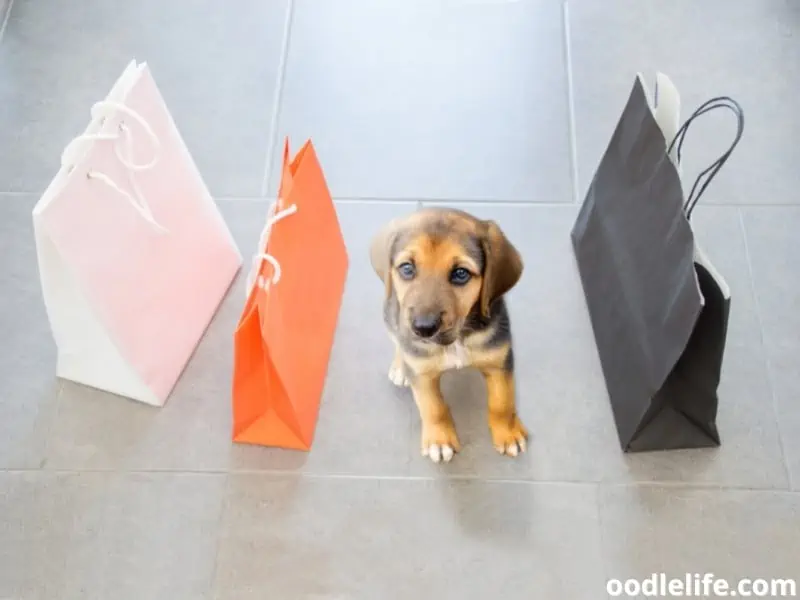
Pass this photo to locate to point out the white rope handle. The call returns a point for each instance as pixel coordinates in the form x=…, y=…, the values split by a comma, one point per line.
x=274, y=217
x=136, y=200
x=106, y=108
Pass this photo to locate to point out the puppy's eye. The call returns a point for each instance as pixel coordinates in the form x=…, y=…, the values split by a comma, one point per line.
x=460, y=276
x=407, y=270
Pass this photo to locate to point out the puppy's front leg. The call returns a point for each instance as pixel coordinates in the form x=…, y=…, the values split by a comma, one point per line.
x=397, y=372
x=508, y=433
x=439, y=438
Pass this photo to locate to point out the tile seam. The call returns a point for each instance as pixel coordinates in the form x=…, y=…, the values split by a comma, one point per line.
x=217, y=541
x=572, y=125
x=689, y=486
x=6, y=18
x=767, y=360
x=473, y=201
x=601, y=534
x=50, y=427
x=277, y=98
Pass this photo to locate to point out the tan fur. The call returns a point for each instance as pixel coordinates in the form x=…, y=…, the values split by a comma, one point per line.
x=434, y=241
x=436, y=260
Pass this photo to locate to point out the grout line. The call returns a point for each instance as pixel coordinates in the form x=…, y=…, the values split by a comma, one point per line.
x=573, y=136
x=272, y=144
x=404, y=201
x=698, y=486
x=449, y=201
x=6, y=18
x=489, y=202
x=607, y=567
x=444, y=477
x=770, y=373
x=418, y=478
x=51, y=424
x=223, y=511
x=454, y=201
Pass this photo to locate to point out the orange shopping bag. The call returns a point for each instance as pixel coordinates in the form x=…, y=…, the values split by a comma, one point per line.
x=283, y=340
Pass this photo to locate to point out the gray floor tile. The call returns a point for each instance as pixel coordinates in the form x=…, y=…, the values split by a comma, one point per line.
x=28, y=390
x=5, y=5
x=363, y=423
x=216, y=67
x=742, y=49
x=432, y=99
x=774, y=247
x=730, y=534
x=561, y=395
x=323, y=538
x=561, y=392
x=97, y=536
x=466, y=101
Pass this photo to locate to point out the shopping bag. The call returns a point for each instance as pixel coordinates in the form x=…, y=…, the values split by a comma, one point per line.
x=283, y=340
x=133, y=254
x=659, y=309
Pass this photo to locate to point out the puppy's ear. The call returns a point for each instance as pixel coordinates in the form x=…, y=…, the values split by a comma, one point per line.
x=503, y=267
x=380, y=252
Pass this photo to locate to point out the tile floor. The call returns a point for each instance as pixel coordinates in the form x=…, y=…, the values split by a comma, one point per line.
x=499, y=106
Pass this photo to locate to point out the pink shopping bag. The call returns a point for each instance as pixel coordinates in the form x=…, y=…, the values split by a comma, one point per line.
x=134, y=256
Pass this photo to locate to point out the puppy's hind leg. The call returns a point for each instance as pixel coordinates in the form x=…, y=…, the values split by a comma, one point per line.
x=397, y=372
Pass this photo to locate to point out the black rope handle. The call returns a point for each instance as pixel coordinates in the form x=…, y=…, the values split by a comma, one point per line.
x=711, y=171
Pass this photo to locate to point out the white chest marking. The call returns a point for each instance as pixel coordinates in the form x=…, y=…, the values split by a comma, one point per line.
x=455, y=356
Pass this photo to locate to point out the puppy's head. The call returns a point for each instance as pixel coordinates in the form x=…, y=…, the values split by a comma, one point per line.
x=441, y=264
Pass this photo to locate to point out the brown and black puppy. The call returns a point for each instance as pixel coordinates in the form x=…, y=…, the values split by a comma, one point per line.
x=445, y=273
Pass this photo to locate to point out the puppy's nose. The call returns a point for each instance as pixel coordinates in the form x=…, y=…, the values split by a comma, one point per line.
x=426, y=325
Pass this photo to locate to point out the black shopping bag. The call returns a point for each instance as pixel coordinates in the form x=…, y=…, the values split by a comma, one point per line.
x=658, y=308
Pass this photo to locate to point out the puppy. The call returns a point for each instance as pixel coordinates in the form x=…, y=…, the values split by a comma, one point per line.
x=445, y=273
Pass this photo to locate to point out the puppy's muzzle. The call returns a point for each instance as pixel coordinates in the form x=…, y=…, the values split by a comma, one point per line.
x=426, y=325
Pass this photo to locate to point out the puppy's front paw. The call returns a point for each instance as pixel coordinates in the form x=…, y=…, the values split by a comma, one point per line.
x=397, y=375
x=440, y=441
x=509, y=435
